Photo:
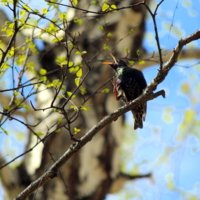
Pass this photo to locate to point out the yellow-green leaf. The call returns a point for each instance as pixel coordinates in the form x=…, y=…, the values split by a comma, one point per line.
x=70, y=93
x=131, y=31
x=106, y=47
x=131, y=62
x=138, y=52
x=85, y=108
x=74, y=2
x=20, y=59
x=16, y=93
x=78, y=52
x=4, y=131
x=6, y=108
x=79, y=73
x=74, y=107
x=93, y=3
x=26, y=7
x=22, y=12
x=105, y=7
x=101, y=28
x=39, y=134
x=9, y=32
x=57, y=39
x=140, y=62
x=106, y=90
x=43, y=71
x=109, y=34
x=113, y=6
x=83, y=90
x=44, y=11
x=76, y=130
x=77, y=81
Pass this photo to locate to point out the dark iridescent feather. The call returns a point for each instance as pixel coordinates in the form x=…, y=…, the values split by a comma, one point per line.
x=129, y=83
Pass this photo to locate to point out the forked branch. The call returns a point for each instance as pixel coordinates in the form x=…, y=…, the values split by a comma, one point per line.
x=146, y=96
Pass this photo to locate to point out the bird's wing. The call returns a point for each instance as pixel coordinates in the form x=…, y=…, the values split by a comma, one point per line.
x=117, y=89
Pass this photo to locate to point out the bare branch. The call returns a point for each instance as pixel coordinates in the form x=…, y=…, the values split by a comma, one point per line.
x=147, y=95
x=153, y=15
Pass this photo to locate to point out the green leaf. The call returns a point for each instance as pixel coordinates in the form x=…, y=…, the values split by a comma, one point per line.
x=74, y=2
x=79, y=73
x=106, y=47
x=16, y=93
x=78, y=52
x=109, y=34
x=9, y=32
x=106, y=90
x=22, y=12
x=20, y=59
x=70, y=64
x=4, y=131
x=76, y=130
x=62, y=61
x=84, y=52
x=138, y=52
x=55, y=83
x=83, y=90
x=4, y=66
x=93, y=3
x=77, y=81
x=131, y=62
x=105, y=7
x=77, y=20
x=74, y=108
x=11, y=52
x=59, y=120
x=43, y=78
x=74, y=69
x=39, y=134
x=6, y=108
x=85, y=108
x=43, y=71
x=113, y=6
x=44, y=11
x=57, y=39
x=71, y=44
x=140, y=62
x=101, y=28
x=70, y=93
x=63, y=15
x=26, y=7
x=131, y=31
x=127, y=50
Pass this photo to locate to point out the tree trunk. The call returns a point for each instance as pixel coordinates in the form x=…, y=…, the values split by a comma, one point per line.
x=95, y=170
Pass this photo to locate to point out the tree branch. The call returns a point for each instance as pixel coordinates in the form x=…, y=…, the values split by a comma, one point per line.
x=146, y=96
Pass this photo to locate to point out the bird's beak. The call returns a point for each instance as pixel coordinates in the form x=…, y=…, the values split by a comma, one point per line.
x=111, y=63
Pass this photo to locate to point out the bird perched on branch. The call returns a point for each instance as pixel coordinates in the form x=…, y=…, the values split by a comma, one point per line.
x=129, y=84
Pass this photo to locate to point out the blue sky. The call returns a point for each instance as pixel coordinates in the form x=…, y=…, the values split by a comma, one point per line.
x=159, y=135
x=157, y=141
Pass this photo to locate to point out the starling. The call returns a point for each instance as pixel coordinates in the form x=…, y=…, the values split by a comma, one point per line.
x=129, y=84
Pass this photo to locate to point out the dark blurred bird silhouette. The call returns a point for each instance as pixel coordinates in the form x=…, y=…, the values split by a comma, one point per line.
x=129, y=83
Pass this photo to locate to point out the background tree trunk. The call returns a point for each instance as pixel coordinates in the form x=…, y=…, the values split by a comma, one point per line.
x=95, y=170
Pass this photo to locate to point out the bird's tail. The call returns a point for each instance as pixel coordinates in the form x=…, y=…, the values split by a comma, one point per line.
x=139, y=114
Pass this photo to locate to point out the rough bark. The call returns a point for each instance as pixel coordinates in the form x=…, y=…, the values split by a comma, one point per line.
x=94, y=171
